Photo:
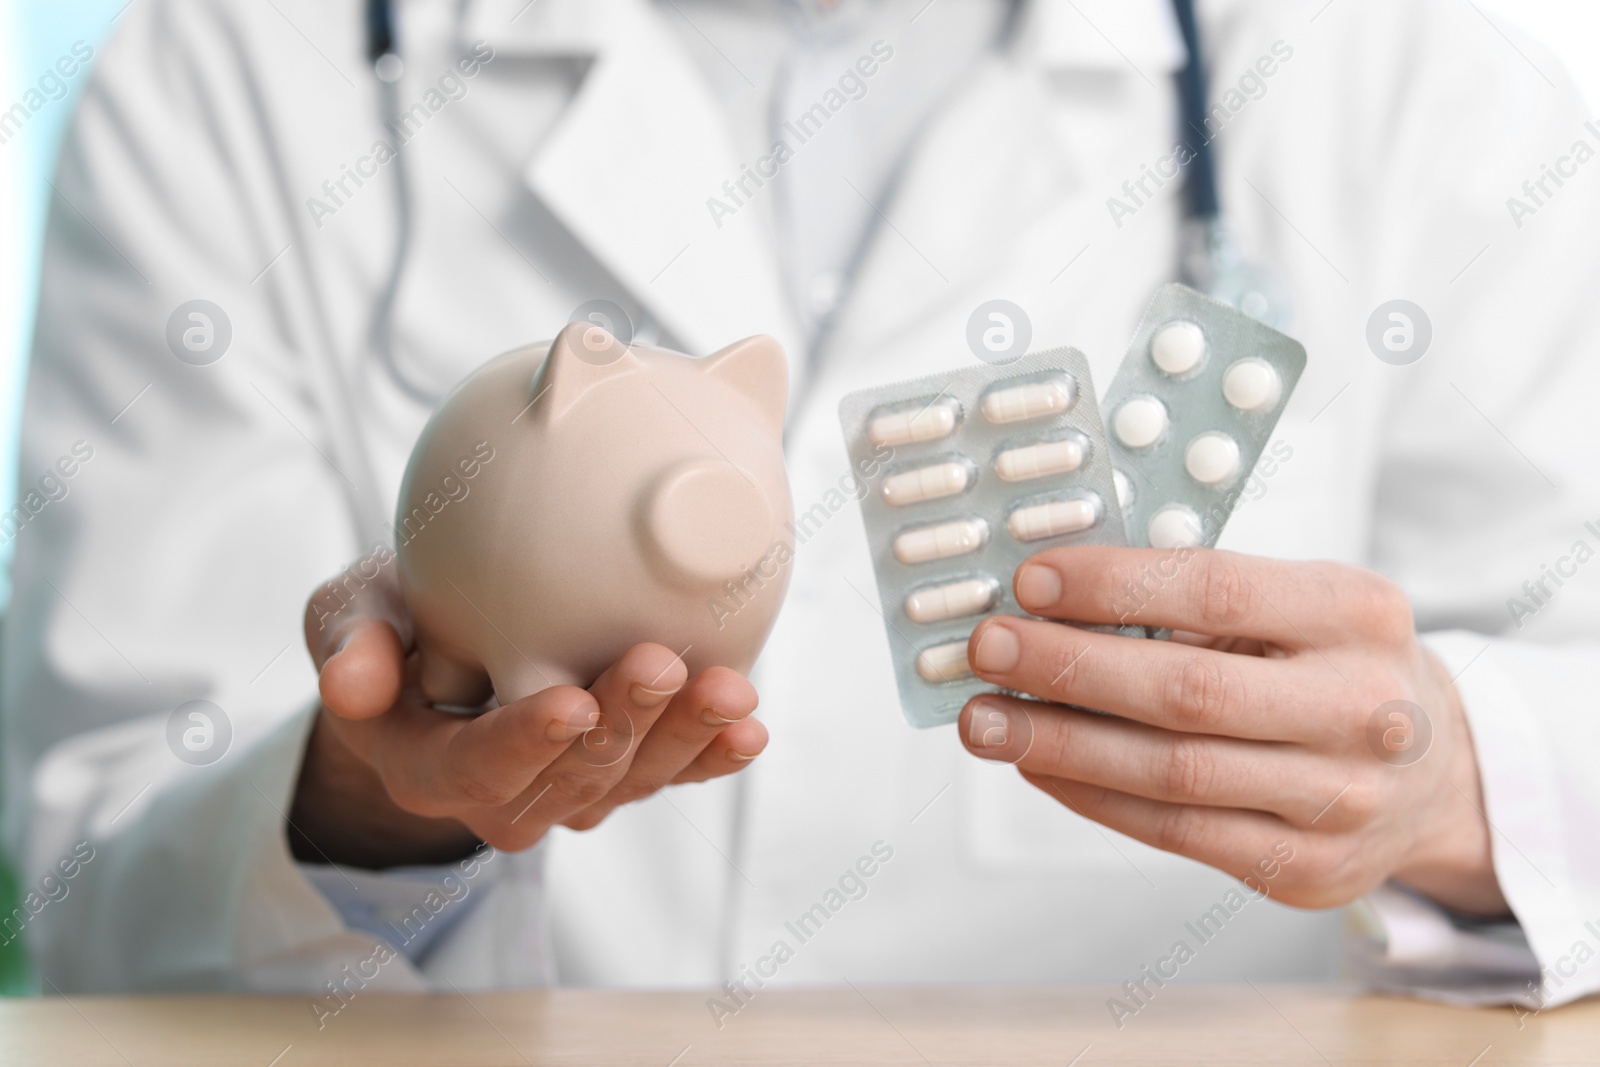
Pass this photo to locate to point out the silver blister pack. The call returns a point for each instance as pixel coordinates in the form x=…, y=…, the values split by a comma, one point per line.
x=970, y=473
x=1189, y=413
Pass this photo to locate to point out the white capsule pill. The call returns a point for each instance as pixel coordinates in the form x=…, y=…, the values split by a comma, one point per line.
x=1252, y=385
x=952, y=600
x=1178, y=347
x=944, y=663
x=1174, y=526
x=1031, y=400
x=1125, y=495
x=1039, y=461
x=928, y=543
x=1140, y=422
x=926, y=483
x=928, y=422
x=1052, y=519
x=1212, y=459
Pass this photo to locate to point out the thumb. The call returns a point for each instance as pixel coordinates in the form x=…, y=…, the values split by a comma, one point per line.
x=357, y=631
x=363, y=677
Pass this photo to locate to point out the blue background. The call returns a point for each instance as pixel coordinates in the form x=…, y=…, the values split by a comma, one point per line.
x=33, y=34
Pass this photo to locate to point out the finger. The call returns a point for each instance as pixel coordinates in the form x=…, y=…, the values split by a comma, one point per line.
x=1226, y=594
x=368, y=589
x=1175, y=687
x=688, y=739
x=711, y=701
x=1239, y=843
x=438, y=763
x=632, y=694
x=1130, y=757
x=731, y=750
x=357, y=632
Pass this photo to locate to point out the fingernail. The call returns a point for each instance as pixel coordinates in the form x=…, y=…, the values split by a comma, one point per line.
x=579, y=722
x=739, y=757
x=989, y=726
x=645, y=697
x=710, y=717
x=1038, y=586
x=997, y=651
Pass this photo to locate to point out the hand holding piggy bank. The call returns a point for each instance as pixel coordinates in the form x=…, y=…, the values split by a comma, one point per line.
x=568, y=501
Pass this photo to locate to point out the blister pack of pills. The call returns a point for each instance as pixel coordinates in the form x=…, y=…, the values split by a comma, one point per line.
x=1189, y=413
x=977, y=470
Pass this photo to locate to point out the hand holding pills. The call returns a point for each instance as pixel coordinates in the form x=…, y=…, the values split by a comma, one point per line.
x=1253, y=725
x=990, y=463
x=388, y=779
x=1249, y=728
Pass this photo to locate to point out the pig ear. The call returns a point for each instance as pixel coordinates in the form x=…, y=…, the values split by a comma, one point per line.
x=755, y=367
x=582, y=355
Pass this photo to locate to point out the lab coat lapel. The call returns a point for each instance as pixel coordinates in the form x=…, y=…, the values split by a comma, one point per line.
x=992, y=200
x=632, y=163
x=983, y=170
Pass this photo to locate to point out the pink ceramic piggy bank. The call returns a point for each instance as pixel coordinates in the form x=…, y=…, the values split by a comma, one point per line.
x=570, y=500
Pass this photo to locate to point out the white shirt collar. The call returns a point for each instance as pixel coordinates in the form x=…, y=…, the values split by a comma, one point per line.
x=1110, y=35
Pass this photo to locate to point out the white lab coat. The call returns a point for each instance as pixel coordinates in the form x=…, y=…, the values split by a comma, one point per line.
x=1376, y=165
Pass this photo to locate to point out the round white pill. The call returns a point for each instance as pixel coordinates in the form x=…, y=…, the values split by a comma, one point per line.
x=1252, y=385
x=1174, y=526
x=1124, y=489
x=1178, y=347
x=1212, y=459
x=1140, y=422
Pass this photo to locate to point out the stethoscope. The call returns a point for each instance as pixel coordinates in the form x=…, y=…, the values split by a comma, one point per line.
x=1208, y=258
x=383, y=52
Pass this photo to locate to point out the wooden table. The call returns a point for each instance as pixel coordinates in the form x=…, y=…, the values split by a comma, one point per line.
x=1231, y=1025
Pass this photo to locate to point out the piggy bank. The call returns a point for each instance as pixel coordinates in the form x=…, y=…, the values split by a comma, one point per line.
x=571, y=499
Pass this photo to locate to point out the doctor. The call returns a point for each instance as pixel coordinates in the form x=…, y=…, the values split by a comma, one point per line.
x=545, y=156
